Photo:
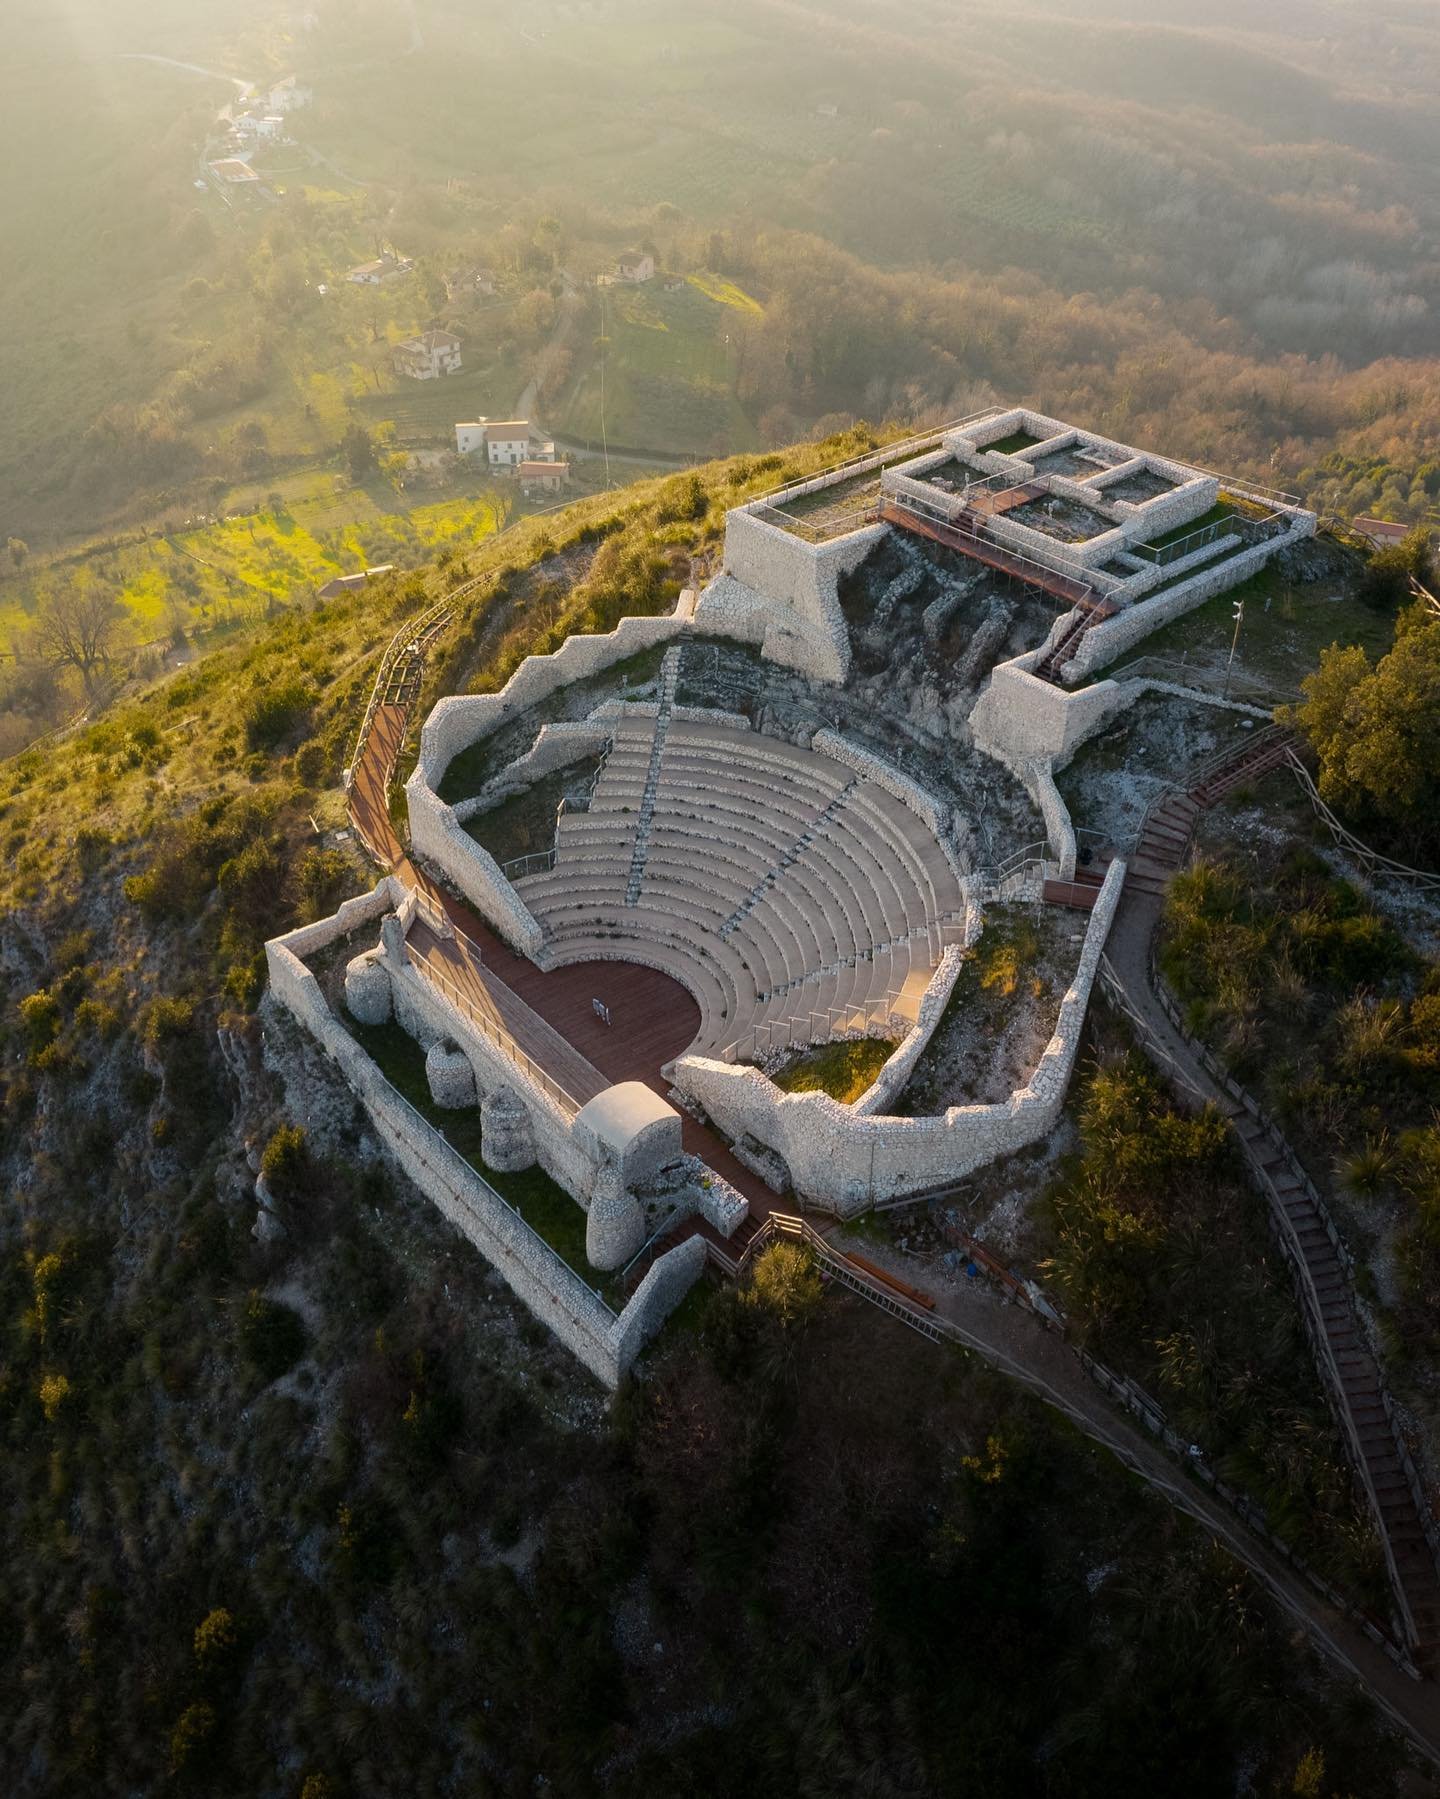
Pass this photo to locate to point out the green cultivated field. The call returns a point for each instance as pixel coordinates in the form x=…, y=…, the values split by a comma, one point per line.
x=671, y=362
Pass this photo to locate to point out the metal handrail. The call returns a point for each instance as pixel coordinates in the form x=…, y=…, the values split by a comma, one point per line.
x=519, y=866
x=901, y=447
x=1181, y=547
x=414, y=630
x=973, y=526
x=501, y=1039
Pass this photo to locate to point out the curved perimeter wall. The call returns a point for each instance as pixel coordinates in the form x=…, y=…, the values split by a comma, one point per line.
x=537, y=1276
x=464, y=719
x=843, y=1162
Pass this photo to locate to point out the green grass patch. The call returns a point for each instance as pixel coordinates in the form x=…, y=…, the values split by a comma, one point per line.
x=544, y=1205
x=843, y=1070
x=1221, y=510
x=1013, y=444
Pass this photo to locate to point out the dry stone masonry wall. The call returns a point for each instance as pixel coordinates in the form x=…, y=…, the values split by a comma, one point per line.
x=842, y=1162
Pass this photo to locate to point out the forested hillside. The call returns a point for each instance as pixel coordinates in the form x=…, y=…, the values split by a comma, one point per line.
x=320, y=1512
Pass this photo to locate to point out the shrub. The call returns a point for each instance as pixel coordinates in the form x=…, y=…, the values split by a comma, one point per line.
x=286, y=1163
x=272, y=1336
x=168, y=1018
x=786, y=1284
x=277, y=714
x=40, y=1015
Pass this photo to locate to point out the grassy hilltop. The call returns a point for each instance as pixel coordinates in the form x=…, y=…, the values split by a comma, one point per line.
x=323, y=1515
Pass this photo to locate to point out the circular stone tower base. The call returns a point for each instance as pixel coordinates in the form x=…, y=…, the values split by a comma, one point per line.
x=506, y=1142
x=615, y=1225
x=451, y=1078
x=367, y=989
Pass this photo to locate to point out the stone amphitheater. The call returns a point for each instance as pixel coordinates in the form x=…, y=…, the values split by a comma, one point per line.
x=771, y=820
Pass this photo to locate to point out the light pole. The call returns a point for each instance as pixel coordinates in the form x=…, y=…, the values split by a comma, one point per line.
x=1234, y=642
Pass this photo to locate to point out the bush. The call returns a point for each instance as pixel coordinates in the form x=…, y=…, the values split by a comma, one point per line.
x=277, y=714
x=786, y=1284
x=286, y=1163
x=272, y=1336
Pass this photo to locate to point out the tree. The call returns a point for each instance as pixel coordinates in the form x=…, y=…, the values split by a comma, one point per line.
x=1376, y=730
x=359, y=449
x=78, y=627
x=1389, y=572
x=19, y=550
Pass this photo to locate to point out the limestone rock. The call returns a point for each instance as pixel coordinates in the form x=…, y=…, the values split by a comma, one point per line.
x=267, y=1228
x=367, y=989
x=506, y=1141
x=615, y=1225
x=451, y=1078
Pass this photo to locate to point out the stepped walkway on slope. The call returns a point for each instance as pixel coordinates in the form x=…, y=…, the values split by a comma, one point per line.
x=1348, y=1371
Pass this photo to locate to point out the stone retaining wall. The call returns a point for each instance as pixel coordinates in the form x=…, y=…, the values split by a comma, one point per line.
x=801, y=625
x=538, y=1277
x=465, y=718
x=437, y=836
x=843, y=1163
x=889, y=1084
x=1104, y=642
x=557, y=746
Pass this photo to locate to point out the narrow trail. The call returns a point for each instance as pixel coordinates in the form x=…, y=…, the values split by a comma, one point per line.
x=1347, y=1368
x=1019, y=1347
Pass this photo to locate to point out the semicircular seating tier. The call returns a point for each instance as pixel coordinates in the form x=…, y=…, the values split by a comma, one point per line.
x=796, y=900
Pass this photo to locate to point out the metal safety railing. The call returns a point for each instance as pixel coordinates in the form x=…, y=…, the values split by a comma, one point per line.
x=815, y=1025
x=491, y=1027
x=1162, y=555
x=903, y=449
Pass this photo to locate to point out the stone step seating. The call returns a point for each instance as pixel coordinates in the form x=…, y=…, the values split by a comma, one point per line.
x=791, y=897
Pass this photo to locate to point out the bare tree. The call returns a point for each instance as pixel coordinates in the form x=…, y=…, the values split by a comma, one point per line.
x=78, y=628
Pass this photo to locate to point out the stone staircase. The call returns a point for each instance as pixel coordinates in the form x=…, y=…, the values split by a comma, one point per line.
x=669, y=678
x=785, y=862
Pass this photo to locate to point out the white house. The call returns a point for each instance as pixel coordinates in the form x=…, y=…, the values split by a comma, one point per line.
x=508, y=442
x=384, y=268
x=429, y=356
x=635, y=266
x=469, y=437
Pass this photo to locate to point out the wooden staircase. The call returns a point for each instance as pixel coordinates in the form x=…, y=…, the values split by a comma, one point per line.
x=1165, y=832
x=1087, y=614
